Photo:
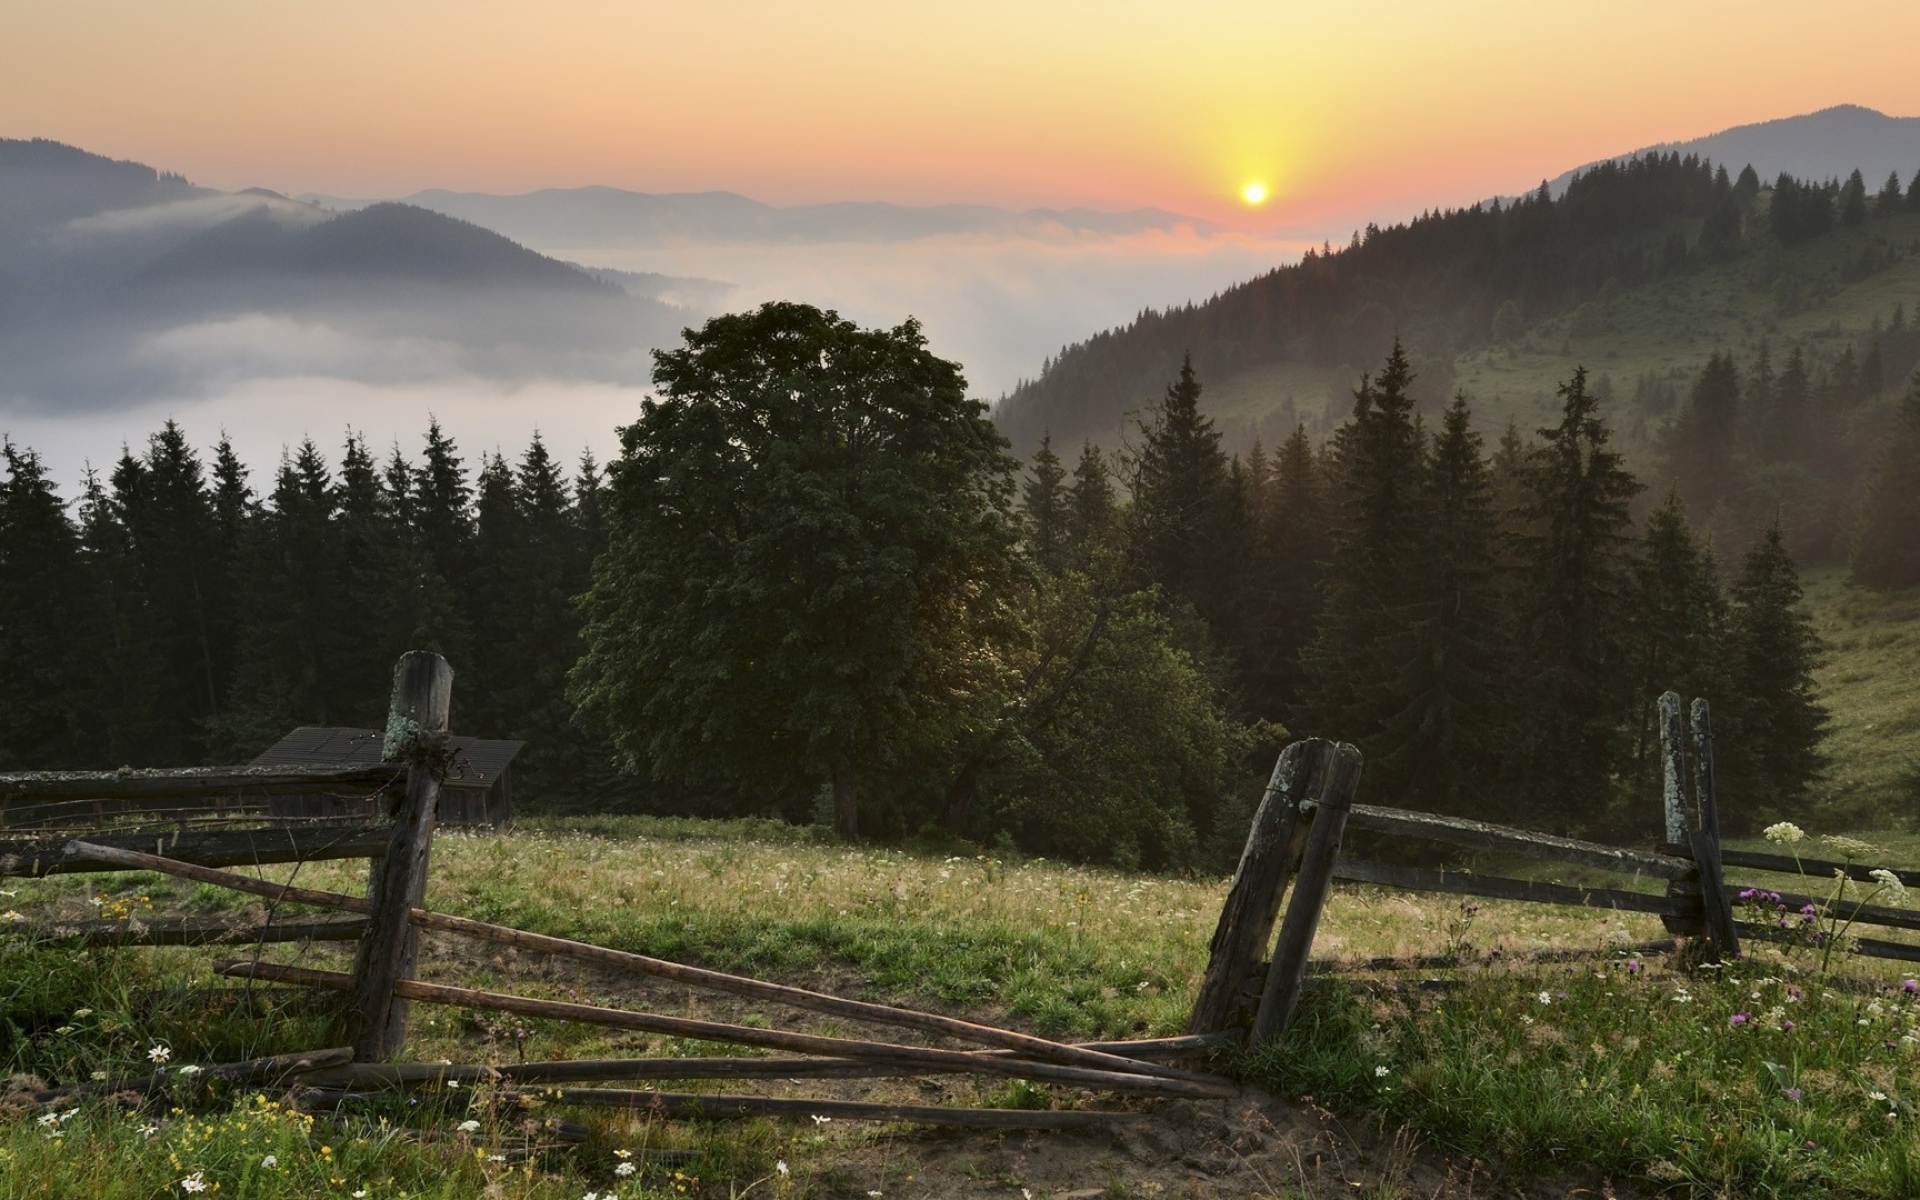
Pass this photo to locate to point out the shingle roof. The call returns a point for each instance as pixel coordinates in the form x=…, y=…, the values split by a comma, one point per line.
x=477, y=762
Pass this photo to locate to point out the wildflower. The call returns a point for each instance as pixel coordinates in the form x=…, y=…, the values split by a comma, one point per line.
x=360, y=1195
x=468, y=1126
x=1794, y=1094
x=625, y=1169
x=196, y=1182
x=623, y=1154
x=1896, y=890
x=1545, y=997
x=1910, y=986
x=159, y=1053
x=591, y=1196
x=82, y=1013
x=1382, y=1072
x=1739, y=1018
x=1783, y=833
x=1851, y=847
x=148, y=1130
x=1633, y=966
x=1812, y=1145
x=874, y=1195
x=191, y=1070
x=1786, y=1026
x=820, y=1120
x=270, y=1161
x=11, y=917
x=781, y=1166
x=1876, y=1095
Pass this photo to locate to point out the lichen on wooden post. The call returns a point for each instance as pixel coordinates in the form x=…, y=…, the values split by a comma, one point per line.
x=1339, y=782
x=1673, y=769
x=416, y=736
x=1253, y=902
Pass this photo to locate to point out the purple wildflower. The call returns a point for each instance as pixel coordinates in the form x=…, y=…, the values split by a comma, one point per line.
x=1794, y=991
x=1739, y=1018
x=1633, y=967
x=1794, y=1095
x=1786, y=1027
x=1910, y=986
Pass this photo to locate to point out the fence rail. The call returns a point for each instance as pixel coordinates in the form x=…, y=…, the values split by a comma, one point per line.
x=1300, y=812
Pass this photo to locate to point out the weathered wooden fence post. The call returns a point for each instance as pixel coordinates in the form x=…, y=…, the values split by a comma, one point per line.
x=1673, y=769
x=1253, y=902
x=416, y=736
x=1339, y=782
x=1706, y=839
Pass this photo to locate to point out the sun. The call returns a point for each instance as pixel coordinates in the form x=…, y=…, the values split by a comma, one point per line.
x=1254, y=193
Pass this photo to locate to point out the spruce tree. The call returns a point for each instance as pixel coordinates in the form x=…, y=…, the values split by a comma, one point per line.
x=1183, y=509
x=121, y=653
x=1890, y=201
x=1092, y=512
x=1044, y=499
x=1853, y=200
x=1886, y=542
x=1436, y=748
x=1778, y=719
x=1574, y=557
x=44, y=688
x=1700, y=445
x=1291, y=545
x=1678, y=615
x=1378, y=527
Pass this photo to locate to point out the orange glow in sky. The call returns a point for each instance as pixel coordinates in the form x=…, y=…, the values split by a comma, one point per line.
x=1336, y=109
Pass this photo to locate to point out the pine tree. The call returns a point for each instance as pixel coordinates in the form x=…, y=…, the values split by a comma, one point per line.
x=1779, y=720
x=1092, y=512
x=43, y=585
x=291, y=639
x=1700, y=445
x=1044, y=500
x=1378, y=526
x=1678, y=641
x=1890, y=201
x=1913, y=193
x=1183, y=509
x=1290, y=546
x=374, y=610
x=1886, y=542
x=1575, y=559
x=1853, y=200
x=120, y=651
x=436, y=502
x=1435, y=749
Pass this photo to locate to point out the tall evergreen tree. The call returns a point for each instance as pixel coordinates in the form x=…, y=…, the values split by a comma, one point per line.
x=1449, y=692
x=1886, y=542
x=1291, y=544
x=1890, y=201
x=1678, y=640
x=1779, y=719
x=121, y=651
x=1378, y=525
x=1853, y=200
x=1092, y=512
x=44, y=687
x=1700, y=446
x=1183, y=513
x=1044, y=499
x=1575, y=559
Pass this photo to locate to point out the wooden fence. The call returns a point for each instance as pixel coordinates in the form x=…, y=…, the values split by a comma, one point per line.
x=387, y=921
x=1308, y=807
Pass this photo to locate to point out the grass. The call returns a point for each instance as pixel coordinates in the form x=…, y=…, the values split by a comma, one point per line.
x=1065, y=950
x=1868, y=683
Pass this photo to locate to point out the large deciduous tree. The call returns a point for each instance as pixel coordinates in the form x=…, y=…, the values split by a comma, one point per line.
x=811, y=540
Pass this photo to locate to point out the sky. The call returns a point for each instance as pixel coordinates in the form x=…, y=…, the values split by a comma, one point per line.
x=1364, y=106
x=1341, y=113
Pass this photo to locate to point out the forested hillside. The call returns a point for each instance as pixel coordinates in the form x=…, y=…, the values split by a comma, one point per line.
x=1641, y=270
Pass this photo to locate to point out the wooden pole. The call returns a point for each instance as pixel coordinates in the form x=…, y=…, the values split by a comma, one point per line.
x=1673, y=769
x=699, y=1107
x=1289, y=970
x=715, y=1031
x=1706, y=839
x=859, y=1010
x=1253, y=902
x=415, y=735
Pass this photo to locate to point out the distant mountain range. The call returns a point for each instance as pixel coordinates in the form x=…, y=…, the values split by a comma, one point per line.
x=1829, y=144
x=119, y=282
x=607, y=216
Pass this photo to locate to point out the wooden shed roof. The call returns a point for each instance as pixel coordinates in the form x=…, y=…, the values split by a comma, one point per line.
x=477, y=762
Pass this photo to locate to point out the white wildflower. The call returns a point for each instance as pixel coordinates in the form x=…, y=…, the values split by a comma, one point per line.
x=11, y=917
x=159, y=1052
x=82, y=1013
x=196, y=1182
x=1851, y=847
x=623, y=1154
x=625, y=1169
x=190, y=1070
x=781, y=1167
x=468, y=1126
x=1545, y=997
x=1382, y=1072
x=149, y=1130
x=1784, y=833
x=270, y=1161
x=1876, y=1095
x=1896, y=890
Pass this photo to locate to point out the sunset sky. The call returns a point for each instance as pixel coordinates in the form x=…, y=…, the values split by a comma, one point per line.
x=1339, y=109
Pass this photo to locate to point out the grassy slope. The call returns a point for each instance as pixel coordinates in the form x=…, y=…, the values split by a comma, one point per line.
x=1871, y=684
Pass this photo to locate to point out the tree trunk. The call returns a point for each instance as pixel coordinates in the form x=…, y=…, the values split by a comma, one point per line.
x=846, y=804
